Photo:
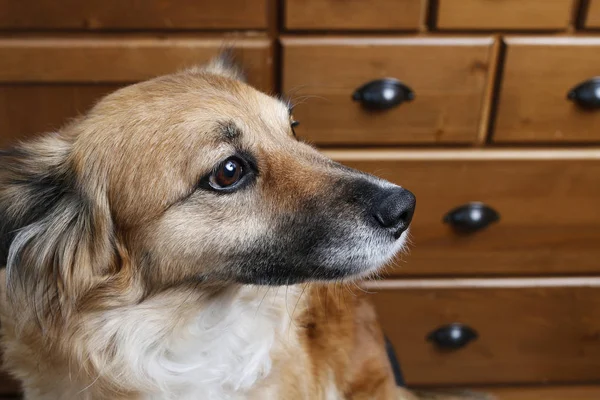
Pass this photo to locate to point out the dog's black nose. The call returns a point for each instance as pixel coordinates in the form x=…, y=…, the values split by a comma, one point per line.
x=395, y=210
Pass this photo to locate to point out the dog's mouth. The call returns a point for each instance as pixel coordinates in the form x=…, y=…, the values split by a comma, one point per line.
x=320, y=265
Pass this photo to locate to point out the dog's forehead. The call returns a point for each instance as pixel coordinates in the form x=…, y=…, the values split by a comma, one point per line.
x=191, y=110
x=243, y=116
x=178, y=127
x=182, y=122
x=253, y=113
x=225, y=106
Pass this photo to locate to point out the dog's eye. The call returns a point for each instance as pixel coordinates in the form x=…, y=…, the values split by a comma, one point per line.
x=293, y=125
x=227, y=174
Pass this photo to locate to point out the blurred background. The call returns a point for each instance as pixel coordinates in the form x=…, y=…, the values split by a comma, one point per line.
x=488, y=110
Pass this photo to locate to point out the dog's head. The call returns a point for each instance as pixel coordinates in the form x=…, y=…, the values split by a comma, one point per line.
x=190, y=178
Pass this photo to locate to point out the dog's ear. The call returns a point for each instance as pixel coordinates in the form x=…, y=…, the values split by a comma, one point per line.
x=225, y=64
x=54, y=240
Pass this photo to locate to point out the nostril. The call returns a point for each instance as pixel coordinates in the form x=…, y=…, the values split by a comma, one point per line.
x=383, y=219
x=404, y=216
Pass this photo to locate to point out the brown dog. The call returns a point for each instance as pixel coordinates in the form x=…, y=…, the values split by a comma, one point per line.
x=146, y=245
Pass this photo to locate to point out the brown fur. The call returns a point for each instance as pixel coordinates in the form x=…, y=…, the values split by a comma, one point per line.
x=106, y=218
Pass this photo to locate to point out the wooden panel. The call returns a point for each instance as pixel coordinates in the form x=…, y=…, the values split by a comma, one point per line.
x=504, y=14
x=50, y=81
x=547, y=201
x=546, y=393
x=529, y=331
x=592, y=19
x=538, y=74
x=354, y=14
x=30, y=109
x=448, y=76
x=123, y=60
x=537, y=392
x=132, y=14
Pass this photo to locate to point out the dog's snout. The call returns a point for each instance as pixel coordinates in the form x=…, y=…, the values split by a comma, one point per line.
x=394, y=210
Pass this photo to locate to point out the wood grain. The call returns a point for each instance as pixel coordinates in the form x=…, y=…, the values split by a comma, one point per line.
x=483, y=283
x=132, y=14
x=538, y=74
x=353, y=14
x=123, y=60
x=489, y=94
x=537, y=392
x=547, y=200
x=592, y=19
x=504, y=14
x=30, y=109
x=448, y=75
x=48, y=81
x=546, y=392
x=526, y=335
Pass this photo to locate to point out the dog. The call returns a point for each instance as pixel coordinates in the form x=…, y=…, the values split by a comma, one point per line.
x=179, y=242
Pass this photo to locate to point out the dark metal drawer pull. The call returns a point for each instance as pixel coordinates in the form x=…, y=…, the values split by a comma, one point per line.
x=586, y=94
x=453, y=336
x=383, y=94
x=471, y=217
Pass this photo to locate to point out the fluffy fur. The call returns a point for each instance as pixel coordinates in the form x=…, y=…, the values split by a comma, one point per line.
x=130, y=275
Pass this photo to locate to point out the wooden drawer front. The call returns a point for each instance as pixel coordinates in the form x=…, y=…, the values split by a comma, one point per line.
x=529, y=330
x=132, y=14
x=504, y=14
x=593, y=15
x=45, y=82
x=354, y=14
x=29, y=109
x=547, y=201
x=545, y=392
x=538, y=75
x=448, y=77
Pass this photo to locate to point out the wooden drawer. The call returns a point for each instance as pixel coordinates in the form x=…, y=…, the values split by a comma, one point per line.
x=547, y=201
x=545, y=392
x=592, y=19
x=538, y=76
x=43, y=82
x=132, y=14
x=354, y=14
x=539, y=392
x=528, y=330
x=449, y=78
x=504, y=14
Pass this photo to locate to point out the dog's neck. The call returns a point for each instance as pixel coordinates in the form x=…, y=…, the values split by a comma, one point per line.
x=183, y=345
x=216, y=347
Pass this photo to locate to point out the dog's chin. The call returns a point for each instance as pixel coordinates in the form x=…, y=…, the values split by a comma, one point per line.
x=376, y=263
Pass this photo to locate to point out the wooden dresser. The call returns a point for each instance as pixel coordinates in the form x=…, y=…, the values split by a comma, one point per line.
x=488, y=110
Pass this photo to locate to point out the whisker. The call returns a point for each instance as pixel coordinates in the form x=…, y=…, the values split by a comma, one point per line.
x=261, y=301
x=296, y=306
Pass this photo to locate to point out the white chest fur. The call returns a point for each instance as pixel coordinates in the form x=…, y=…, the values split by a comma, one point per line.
x=220, y=351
